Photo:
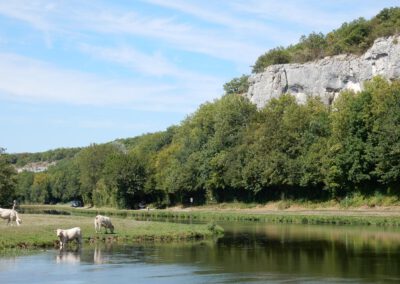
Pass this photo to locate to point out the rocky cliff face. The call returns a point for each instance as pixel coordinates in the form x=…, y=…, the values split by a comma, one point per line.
x=327, y=77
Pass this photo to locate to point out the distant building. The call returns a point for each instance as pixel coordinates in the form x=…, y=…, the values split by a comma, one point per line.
x=37, y=167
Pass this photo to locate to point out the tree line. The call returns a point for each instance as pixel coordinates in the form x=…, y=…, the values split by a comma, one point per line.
x=230, y=150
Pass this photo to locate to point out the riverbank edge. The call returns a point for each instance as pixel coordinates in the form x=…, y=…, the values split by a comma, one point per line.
x=338, y=217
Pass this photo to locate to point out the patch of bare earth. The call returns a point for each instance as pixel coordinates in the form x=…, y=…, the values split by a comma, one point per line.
x=273, y=208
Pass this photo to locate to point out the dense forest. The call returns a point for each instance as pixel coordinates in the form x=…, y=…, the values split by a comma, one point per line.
x=229, y=150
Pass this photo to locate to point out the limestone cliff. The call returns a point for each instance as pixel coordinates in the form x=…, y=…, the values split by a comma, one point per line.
x=327, y=77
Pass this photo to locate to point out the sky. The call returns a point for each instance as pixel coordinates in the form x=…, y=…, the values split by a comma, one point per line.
x=75, y=72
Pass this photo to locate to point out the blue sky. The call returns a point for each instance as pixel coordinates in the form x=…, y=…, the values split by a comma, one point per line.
x=79, y=72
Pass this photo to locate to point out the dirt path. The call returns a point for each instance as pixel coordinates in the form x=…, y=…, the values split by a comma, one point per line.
x=377, y=211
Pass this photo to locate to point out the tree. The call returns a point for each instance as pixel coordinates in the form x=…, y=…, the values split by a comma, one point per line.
x=40, y=190
x=385, y=134
x=24, y=186
x=91, y=162
x=124, y=179
x=64, y=181
x=313, y=47
x=238, y=85
x=7, y=180
x=351, y=162
x=278, y=55
x=283, y=150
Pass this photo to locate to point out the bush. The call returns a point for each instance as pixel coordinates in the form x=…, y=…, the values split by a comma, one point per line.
x=237, y=85
x=215, y=229
x=277, y=55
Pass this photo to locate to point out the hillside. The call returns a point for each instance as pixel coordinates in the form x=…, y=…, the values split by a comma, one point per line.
x=230, y=150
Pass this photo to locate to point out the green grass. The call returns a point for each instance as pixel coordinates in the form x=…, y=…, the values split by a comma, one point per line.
x=339, y=217
x=38, y=231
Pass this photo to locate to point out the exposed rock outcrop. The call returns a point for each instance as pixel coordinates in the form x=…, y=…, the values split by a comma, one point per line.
x=327, y=77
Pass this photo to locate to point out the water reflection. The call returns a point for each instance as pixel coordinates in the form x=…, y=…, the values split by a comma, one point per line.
x=98, y=256
x=71, y=257
x=102, y=253
x=307, y=250
x=320, y=251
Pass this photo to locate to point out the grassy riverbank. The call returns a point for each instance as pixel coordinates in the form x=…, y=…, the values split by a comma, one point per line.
x=258, y=214
x=38, y=231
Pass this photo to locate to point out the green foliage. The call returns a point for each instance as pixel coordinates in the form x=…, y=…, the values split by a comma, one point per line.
x=385, y=131
x=91, y=162
x=350, y=141
x=7, y=180
x=354, y=37
x=285, y=147
x=65, y=181
x=124, y=176
x=277, y=55
x=365, y=141
x=40, y=190
x=24, y=186
x=215, y=229
x=197, y=159
x=237, y=85
x=309, y=48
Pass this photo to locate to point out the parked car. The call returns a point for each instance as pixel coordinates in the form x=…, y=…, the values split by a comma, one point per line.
x=142, y=205
x=76, y=203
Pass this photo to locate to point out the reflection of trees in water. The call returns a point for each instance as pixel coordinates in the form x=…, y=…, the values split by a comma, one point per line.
x=329, y=254
x=356, y=237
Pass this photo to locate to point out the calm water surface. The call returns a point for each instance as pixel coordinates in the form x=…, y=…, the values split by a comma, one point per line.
x=248, y=253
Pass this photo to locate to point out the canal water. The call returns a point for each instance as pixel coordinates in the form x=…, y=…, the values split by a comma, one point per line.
x=248, y=253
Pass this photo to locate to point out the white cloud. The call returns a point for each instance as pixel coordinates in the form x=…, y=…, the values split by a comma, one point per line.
x=222, y=15
x=154, y=64
x=31, y=12
x=79, y=20
x=28, y=79
x=311, y=14
x=179, y=36
x=245, y=29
